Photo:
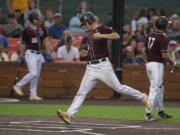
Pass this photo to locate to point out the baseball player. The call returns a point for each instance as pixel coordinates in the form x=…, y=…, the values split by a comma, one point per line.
x=33, y=38
x=156, y=55
x=98, y=67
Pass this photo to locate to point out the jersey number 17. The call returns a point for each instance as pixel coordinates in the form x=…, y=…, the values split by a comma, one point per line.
x=150, y=42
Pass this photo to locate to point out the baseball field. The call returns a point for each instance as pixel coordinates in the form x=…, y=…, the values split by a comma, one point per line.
x=96, y=117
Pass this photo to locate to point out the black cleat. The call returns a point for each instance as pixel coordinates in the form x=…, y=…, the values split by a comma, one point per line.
x=163, y=115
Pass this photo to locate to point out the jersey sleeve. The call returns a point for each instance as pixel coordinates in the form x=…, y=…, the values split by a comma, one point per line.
x=163, y=44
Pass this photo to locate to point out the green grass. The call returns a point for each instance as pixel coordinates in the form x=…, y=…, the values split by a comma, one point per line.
x=86, y=111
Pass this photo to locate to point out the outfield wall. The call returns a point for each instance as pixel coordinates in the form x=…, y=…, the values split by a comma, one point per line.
x=63, y=80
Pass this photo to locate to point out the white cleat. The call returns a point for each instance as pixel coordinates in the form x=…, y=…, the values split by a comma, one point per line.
x=35, y=98
x=149, y=118
x=65, y=117
x=147, y=102
x=18, y=91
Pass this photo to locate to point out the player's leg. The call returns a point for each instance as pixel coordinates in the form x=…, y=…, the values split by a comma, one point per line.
x=152, y=91
x=34, y=83
x=154, y=72
x=30, y=61
x=87, y=84
x=160, y=105
x=108, y=76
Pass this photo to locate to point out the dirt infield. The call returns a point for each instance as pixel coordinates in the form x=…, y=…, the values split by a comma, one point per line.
x=52, y=126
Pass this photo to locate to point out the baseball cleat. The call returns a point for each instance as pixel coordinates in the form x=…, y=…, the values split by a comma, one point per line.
x=18, y=91
x=163, y=115
x=65, y=117
x=147, y=102
x=149, y=117
x=35, y=98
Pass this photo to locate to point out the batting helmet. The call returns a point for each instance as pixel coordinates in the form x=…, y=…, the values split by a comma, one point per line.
x=162, y=22
x=87, y=17
x=33, y=16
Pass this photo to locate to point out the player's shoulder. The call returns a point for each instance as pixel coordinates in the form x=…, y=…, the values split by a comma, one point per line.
x=158, y=35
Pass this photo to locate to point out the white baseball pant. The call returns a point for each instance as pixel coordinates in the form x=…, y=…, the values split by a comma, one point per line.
x=34, y=63
x=104, y=72
x=155, y=72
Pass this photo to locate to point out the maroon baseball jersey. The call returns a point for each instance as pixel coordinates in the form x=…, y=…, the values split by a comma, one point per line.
x=156, y=44
x=33, y=38
x=97, y=48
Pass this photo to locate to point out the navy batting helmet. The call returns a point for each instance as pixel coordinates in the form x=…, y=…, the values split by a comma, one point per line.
x=87, y=17
x=33, y=16
x=162, y=22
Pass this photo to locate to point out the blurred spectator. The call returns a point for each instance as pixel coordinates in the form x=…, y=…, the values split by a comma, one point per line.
x=151, y=26
x=150, y=13
x=56, y=30
x=65, y=34
x=32, y=7
x=19, y=16
x=12, y=5
x=17, y=54
x=68, y=52
x=177, y=54
x=12, y=29
x=48, y=52
x=3, y=55
x=138, y=52
x=129, y=57
x=110, y=22
x=140, y=34
x=74, y=24
x=49, y=18
x=174, y=32
x=140, y=17
x=4, y=42
x=161, y=12
x=172, y=49
x=84, y=47
x=82, y=7
x=126, y=38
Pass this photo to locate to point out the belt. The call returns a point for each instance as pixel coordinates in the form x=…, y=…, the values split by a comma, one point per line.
x=97, y=61
x=36, y=52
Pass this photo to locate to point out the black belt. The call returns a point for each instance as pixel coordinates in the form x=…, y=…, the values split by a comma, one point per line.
x=97, y=61
x=36, y=52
